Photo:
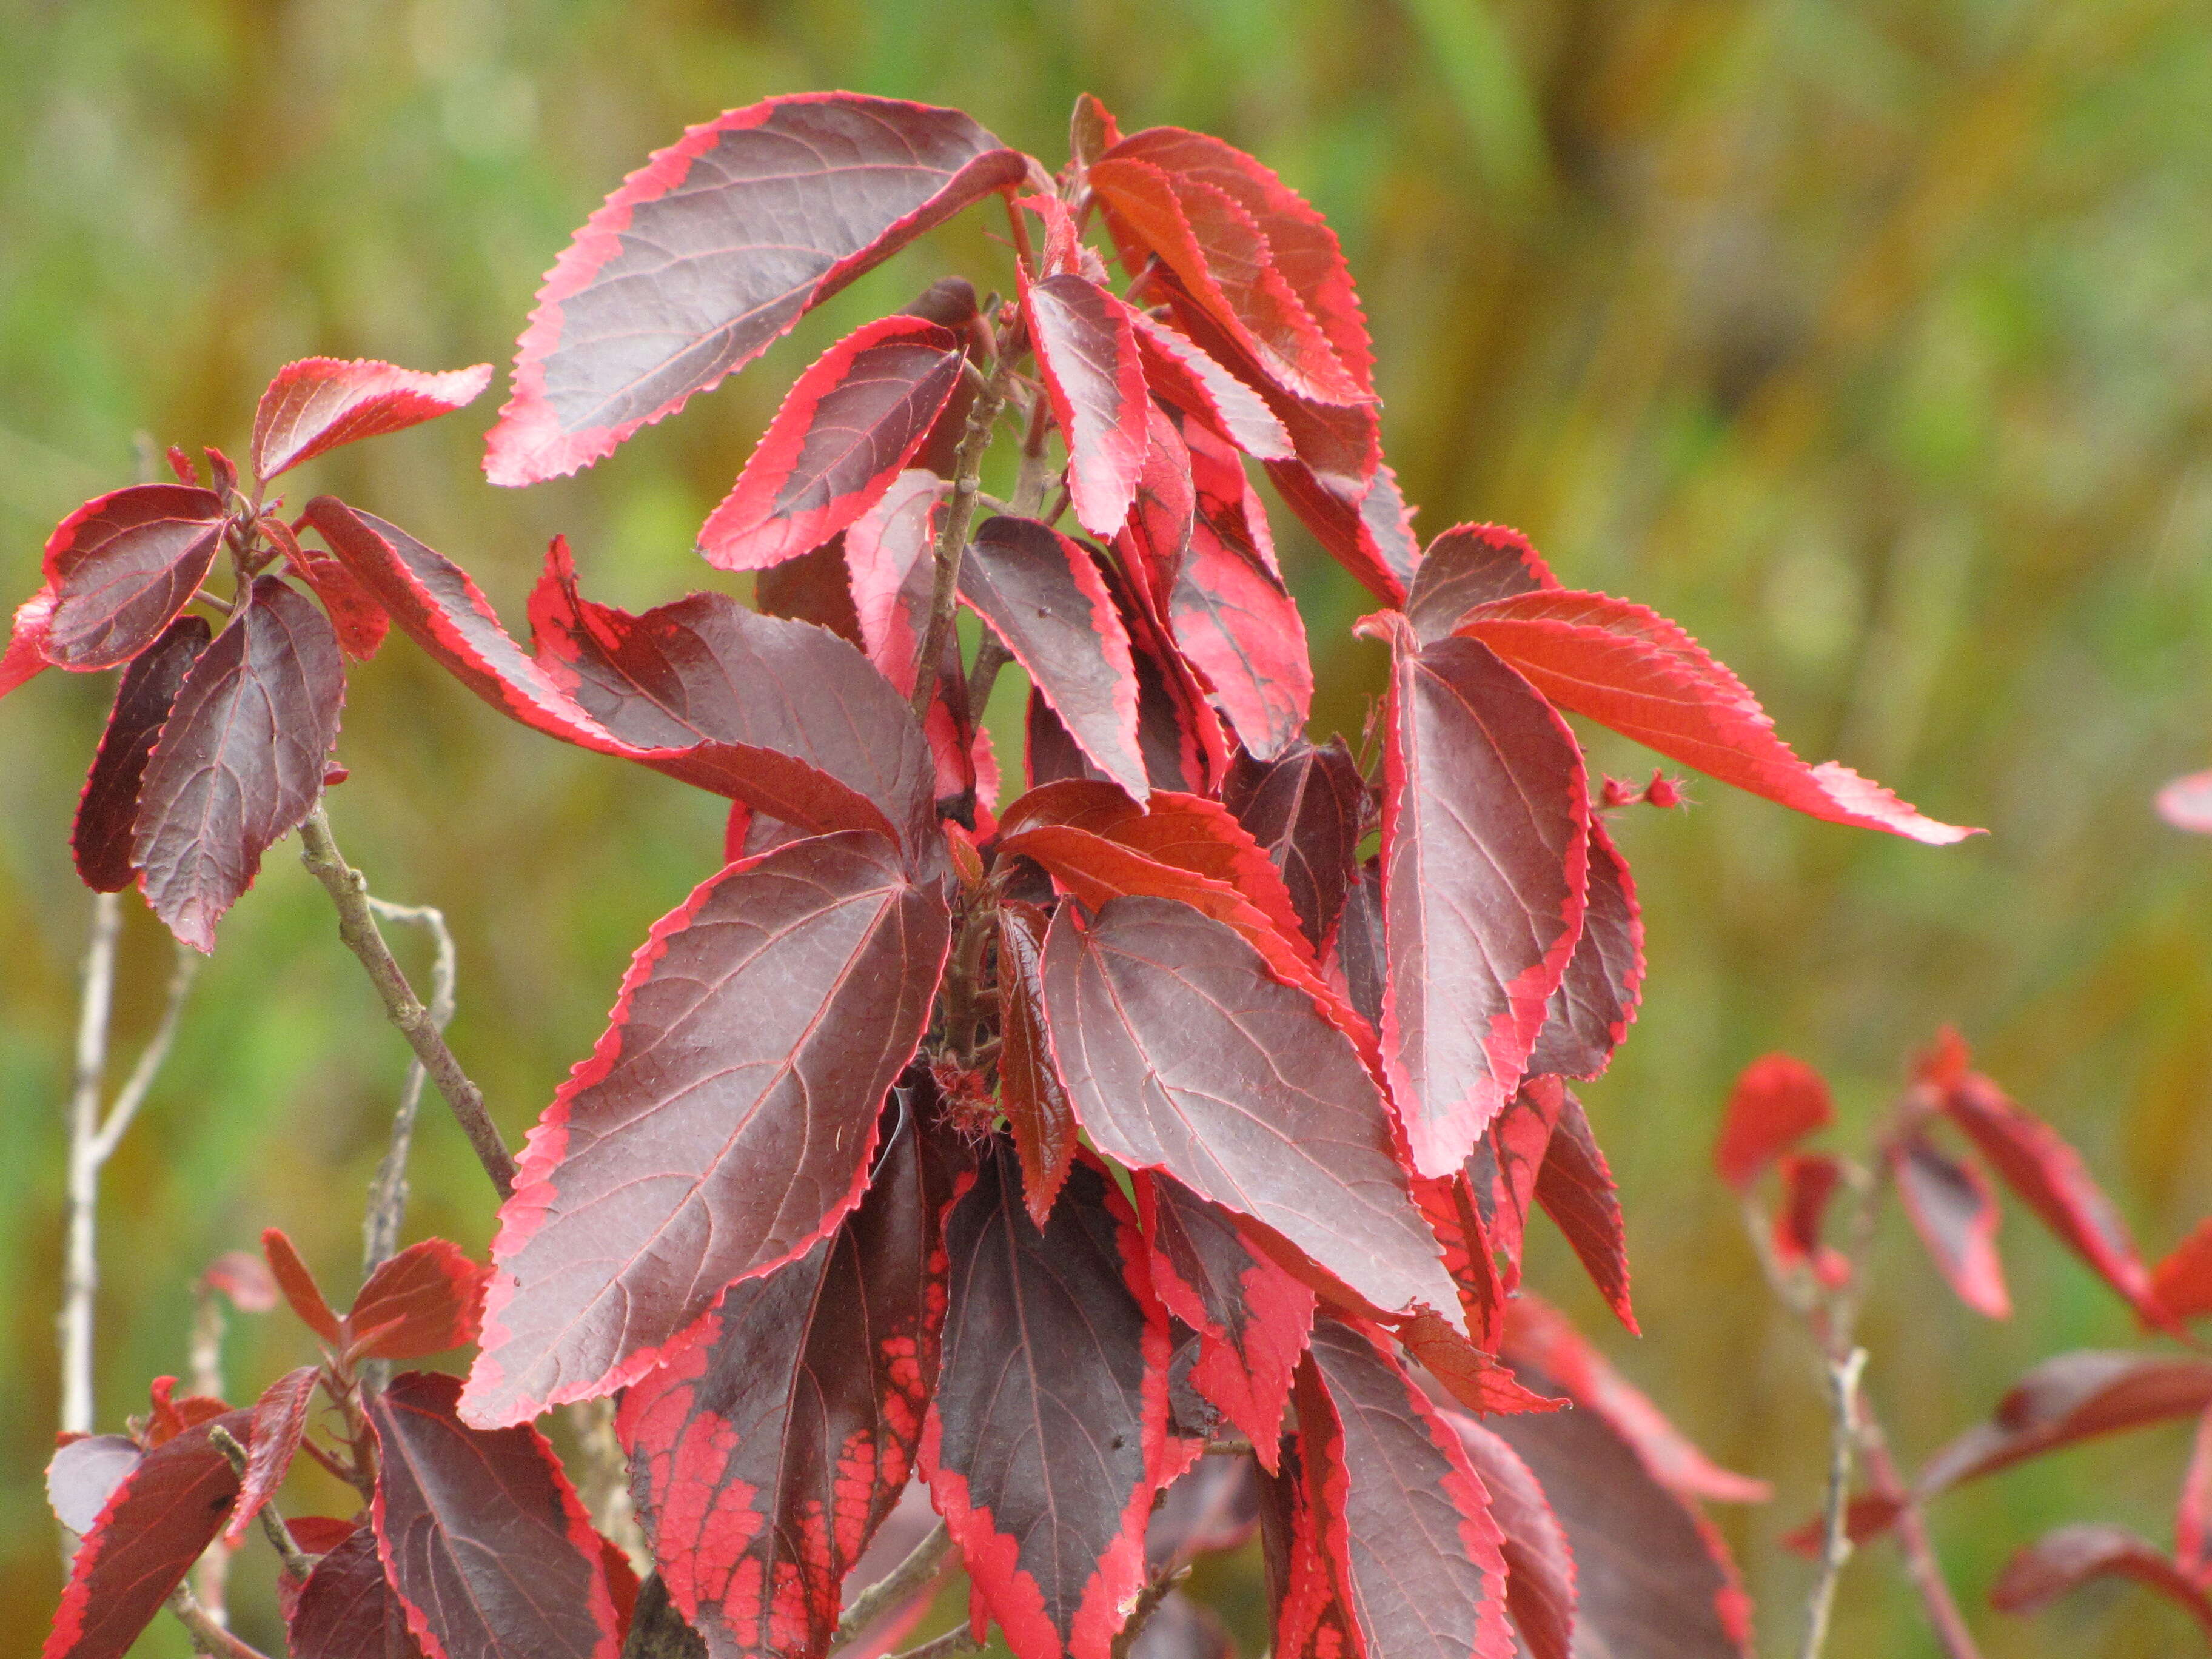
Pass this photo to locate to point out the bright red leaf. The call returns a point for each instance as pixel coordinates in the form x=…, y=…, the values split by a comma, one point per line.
x=2182, y=1284
x=280, y=1418
x=1501, y=1172
x=361, y=621
x=1777, y=1102
x=1176, y=370
x=300, y=1288
x=887, y=559
x=1955, y=1213
x=1574, y=1186
x=1467, y=565
x=107, y=812
x=2192, y=1514
x=320, y=403
x=120, y=568
x=1087, y=353
x=1031, y=1091
x=427, y=1298
x=26, y=655
x=1809, y=1181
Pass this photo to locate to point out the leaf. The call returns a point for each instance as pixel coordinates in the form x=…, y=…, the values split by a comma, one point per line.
x=1252, y=1317
x=1467, y=565
x=120, y=569
x=1031, y=1091
x=1595, y=1004
x=1087, y=352
x=482, y=1537
x=2185, y=802
x=1183, y=1052
x=1777, y=1102
x=83, y=1475
x=300, y=1288
x=1358, y=949
x=241, y=759
x=1628, y=667
x=25, y=657
x=2192, y=1514
x=319, y=404
x=757, y=1030
x=1955, y=1213
x=2181, y=1285
x=1501, y=1172
x=1177, y=370
x=1156, y=540
x=813, y=587
x=1405, y=1518
x=427, y=1298
x=1576, y=1189
x=1047, y=1438
x=1455, y=1216
x=145, y=1539
x=347, y=1609
x=280, y=1418
x=2049, y=1177
x=713, y=249
x=1311, y=1618
x=2070, y=1397
x=888, y=553
x=1540, y=1566
x=361, y=621
x=1304, y=809
x=1809, y=1180
x=1044, y=599
x=845, y=429
x=2068, y=1556
x=107, y=812
x=1237, y=624
x=1486, y=849
x=766, y=1456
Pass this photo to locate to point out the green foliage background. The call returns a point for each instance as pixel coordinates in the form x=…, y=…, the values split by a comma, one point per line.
x=1870, y=338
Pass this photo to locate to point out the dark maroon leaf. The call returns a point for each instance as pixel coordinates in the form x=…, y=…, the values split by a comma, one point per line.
x=1031, y=1093
x=84, y=1474
x=320, y=403
x=2067, y=1557
x=1485, y=847
x=1591, y=1012
x=2068, y=1399
x=1358, y=945
x=300, y=1289
x=1043, y=596
x=1088, y=354
x=813, y=587
x=1405, y=1520
x=1176, y=370
x=714, y=248
x=156, y=1521
x=1502, y=1171
x=1539, y=1567
x=1304, y=808
x=1178, y=733
x=1048, y=1439
x=888, y=553
x=1577, y=1191
x=1049, y=753
x=107, y=813
x=280, y=1418
x=766, y=1456
x=121, y=566
x=1252, y=1317
x=757, y=1030
x=1237, y=624
x=482, y=1537
x=241, y=759
x=427, y=1298
x=1467, y=565
x=1183, y=1052
x=847, y=426
x=347, y=1610
x=1777, y=1102
x=1955, y=1213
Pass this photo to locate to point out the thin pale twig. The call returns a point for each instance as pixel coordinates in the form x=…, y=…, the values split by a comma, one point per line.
x=297, y=1562
x=1835, y=1531
x=903, y=1582
x=962, y=1639
x=387, y=1200
x=80, y=1276
x=209, y=1638
x=184, y=968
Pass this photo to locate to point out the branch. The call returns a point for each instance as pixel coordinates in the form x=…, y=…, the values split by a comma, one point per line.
x=208, y=1637
x=902, y=1583
x=387, y=1192
x=603, y=1481
x=80, y=1276
x=357, y=928
x=1148, y=1603
x=962, y=1639
x=1835, y=1532
x=296, y=1560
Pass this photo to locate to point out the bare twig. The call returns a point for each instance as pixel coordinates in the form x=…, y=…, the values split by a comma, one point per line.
x=297, y=1561
x=209, y=1638
x=903, y=1582
x=387, y=1192
x=962, y=1639
x=184, y=968
x=357, y=928
x=1148, y=1603
x=603, y=1480
x=1835, y=1532
x=80, y=1276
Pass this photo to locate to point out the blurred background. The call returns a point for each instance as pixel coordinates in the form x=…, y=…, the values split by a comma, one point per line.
x=1872, y=339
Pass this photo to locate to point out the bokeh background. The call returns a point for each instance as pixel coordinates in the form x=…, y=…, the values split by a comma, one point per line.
x=1870, y=338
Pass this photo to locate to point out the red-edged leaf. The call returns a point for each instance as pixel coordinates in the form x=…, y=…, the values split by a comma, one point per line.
x=1501, y=1172
x=300, y=1288
x=1087, y=353
x=84, y=1474
x=1358, y=951
x=244, y=1278
x=1311, y=1618
x=1044, y=597
x=2049, y=1177
x=1177, y=730
x=1156, y=540
x=156, y=1521
x=1048, y=1439
x=171, y=1414
x=1486, y=853
x=766, y=1456
x=1809, y=1181
x=1653, y=1579
x=2068, y=1399
x=2067, y=1557
x=1467, y=565
x=1305, y=810
x=1183, y=1052
x=1955, y=1213
x=1591, y=1012
x=2182, y=1284
x=107, y=812
x=1031, y=1093
x=280, y=1418
x=1404, y=1519
x=482, y=1537
x=320, y=403
x=1237, y=625
x=2192, y=1514
x=1453, y=1213
x=713, y=249
x=1576, y=1189
x=1178, y=371
x=1539, y=1339
x=427, y=1298
x=758, y=1027
x=813, y=587
x=1540, y=1566
x=361, y=621
x=1868, y=1515
x=239, y=760
x=119, y=568
x=1252, y=1317
x=1628, y=667
x=887, y=553
x=26, y=655
x=346, y=1609
x=2185, y=802
x=1777, y=1102
x=846, y=427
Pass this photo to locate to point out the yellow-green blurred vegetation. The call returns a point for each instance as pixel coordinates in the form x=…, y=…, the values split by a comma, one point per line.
x=1870, y=338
